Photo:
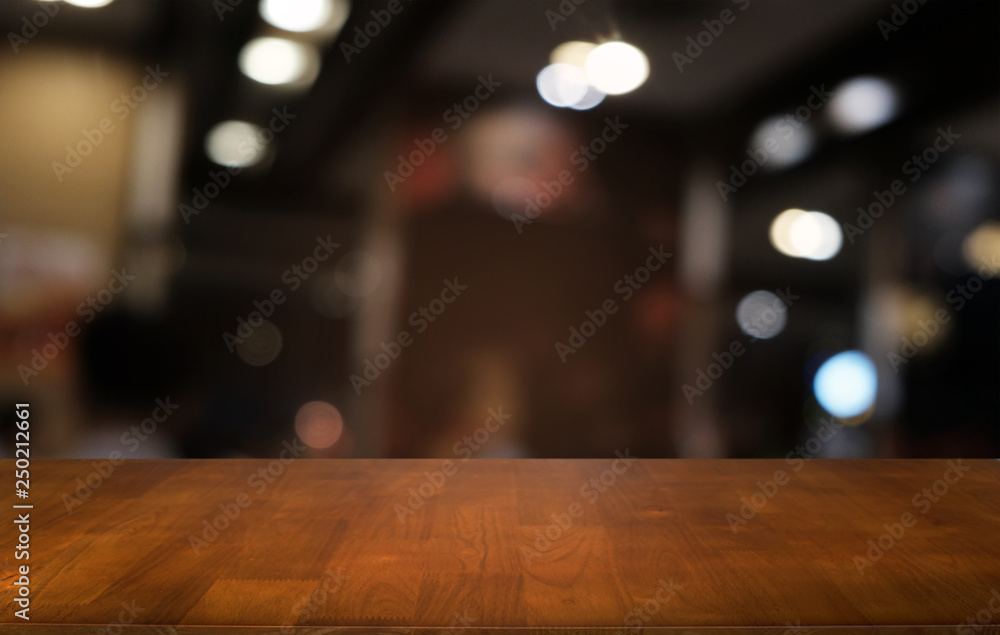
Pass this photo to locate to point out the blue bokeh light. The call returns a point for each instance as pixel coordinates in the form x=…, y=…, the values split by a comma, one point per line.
x=845, y=384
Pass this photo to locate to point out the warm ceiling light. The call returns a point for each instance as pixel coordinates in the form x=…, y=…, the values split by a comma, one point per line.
x=781, y=230
x=234, y=144
x=273, y=60
x=89, y=4
x=616, y=68
x=298, y=15
x=816, y=236
x=801, y=234
x=574, y=53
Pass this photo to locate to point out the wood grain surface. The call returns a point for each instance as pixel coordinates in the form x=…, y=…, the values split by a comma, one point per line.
x=318, y=546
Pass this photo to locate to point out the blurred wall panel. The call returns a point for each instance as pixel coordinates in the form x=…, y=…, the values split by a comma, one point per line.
x=66, y=117
x=53, y=103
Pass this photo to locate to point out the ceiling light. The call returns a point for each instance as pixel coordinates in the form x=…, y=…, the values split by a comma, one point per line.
x=562, y=85
x=303, y=15
x=616, y=68
x=862, y=104
x=89, y=4
x=273, y=60
x=234, y=144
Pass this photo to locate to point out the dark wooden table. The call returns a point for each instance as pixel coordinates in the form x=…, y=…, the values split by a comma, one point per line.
x=320, y=545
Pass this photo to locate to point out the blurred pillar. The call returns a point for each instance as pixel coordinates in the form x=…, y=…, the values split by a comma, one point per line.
x=703, y=247
x=151, y=250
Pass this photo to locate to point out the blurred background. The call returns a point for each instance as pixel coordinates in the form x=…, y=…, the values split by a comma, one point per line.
x=500, y=228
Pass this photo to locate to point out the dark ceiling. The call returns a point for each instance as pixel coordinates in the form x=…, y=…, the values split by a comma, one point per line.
x=771, y=53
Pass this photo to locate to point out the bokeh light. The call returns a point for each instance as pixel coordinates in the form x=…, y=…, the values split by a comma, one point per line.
x=262, y=346
x=845, y=385
x=863, y=103
x=784, y=141
x=816, y=236
x=561, y=85
x=918, y=320
x=761, y=314
x=274, y=60
x=590, y=99
x=801, y=234
x=781, y=231
x=319, y=424
x=234, y=144
x=574, y=53
x=982, y=246
x=304, y=15
x=616, y=68
x=89, y=4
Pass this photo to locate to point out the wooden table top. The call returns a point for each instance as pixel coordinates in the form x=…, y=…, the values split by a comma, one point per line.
x=318, y=544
